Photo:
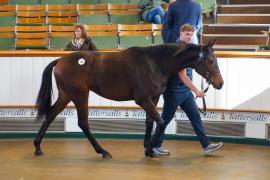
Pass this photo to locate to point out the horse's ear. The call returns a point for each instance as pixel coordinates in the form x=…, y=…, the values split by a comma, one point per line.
x=211, y=43
x=180, y=51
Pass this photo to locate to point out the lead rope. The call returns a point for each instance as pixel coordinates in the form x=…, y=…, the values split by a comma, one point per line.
x=203, y=99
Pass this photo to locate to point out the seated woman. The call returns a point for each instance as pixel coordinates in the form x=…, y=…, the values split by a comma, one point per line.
x=80, y=41
x=152, y=11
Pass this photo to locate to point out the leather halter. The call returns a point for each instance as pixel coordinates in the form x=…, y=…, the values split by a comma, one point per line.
x=201, y=58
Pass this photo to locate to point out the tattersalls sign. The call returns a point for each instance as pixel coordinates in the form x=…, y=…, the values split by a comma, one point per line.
x=107, y=113
x=249, y=117
x=129, y=114
x=21, y=112
x=210, y=115
x=255, y=123
x=30, y=112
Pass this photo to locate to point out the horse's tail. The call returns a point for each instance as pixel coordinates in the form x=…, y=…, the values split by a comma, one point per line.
x=44, y=100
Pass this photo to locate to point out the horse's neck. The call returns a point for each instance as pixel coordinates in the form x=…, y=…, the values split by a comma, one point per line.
x=187, y=59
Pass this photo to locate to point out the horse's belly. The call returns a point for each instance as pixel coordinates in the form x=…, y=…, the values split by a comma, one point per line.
x=114, y=94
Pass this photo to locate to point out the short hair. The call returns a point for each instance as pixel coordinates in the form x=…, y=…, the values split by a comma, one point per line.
x=82, y=27
x=187, y=27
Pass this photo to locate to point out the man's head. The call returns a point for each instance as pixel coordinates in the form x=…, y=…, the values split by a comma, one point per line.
x=186, y=33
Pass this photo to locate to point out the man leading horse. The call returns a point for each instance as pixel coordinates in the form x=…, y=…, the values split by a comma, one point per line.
x=178, y=93
x=137, y=73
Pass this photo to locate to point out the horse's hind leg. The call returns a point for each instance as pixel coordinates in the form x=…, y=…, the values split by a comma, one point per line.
x=58, y=106
x=81, y=105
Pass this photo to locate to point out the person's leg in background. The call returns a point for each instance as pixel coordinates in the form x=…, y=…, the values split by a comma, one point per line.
x=156, y=15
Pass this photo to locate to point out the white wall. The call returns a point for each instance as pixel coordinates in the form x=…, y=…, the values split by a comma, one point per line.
x=247, y=83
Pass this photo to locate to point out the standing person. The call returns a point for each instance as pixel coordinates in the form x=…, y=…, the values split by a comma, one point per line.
x=152, y=11
x=178, y=93
x=80, y=40
x=165, y=33
x=181, y=12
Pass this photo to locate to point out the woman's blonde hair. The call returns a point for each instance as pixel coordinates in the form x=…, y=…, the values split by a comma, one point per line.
x=82, y=27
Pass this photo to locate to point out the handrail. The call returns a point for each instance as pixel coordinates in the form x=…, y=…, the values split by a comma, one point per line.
x=242, y=54
x=52, y=53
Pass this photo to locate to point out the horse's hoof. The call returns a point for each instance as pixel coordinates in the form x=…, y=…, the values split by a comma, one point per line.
x=150, y=154
x=107, y=156
x=38, y=153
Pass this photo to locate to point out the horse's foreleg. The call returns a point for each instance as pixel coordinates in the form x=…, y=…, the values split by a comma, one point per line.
x=150, y=108
x=148, y=130
x=81, y=105
x=149, y=126
x=58, y=106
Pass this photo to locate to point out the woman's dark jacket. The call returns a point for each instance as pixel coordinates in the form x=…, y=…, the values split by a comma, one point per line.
x=88, y=45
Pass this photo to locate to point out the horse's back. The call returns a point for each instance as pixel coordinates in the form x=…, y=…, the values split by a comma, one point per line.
x=115, y=75
x=107, y=74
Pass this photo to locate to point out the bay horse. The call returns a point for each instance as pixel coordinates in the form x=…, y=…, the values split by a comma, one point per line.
x=137, y=73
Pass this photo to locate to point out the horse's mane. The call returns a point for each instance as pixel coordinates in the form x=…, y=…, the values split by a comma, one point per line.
x=158, y=51
x=166, y=50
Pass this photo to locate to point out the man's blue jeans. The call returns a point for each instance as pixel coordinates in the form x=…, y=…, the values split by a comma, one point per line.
x=155, y=15
x=187, y=103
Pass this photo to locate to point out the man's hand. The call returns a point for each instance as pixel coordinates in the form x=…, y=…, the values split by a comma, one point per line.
x=199, y=93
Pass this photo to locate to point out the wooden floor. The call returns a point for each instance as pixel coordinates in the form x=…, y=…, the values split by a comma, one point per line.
x=66, y=159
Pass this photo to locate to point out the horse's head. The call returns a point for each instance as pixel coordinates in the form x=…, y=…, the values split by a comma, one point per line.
x=202, y=59
x=207, y=66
